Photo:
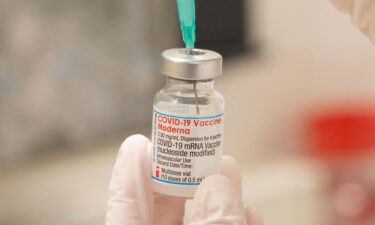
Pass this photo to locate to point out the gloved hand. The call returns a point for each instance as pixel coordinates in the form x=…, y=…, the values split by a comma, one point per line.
x=362, y=12
x=132, y=202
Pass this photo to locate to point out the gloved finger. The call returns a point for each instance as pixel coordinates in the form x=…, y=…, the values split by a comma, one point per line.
x=345, y=6
x=165, y=204
x=231, y=169
x=253, y=217
x=363, y=17
x=168, y=210
x=130, y=194
x=217, y=201
x=362, y=12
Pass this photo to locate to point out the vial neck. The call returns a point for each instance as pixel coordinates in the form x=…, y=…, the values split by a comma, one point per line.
x=206, y=85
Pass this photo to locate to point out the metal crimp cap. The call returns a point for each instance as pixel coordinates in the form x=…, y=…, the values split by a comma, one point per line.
x=191, y=64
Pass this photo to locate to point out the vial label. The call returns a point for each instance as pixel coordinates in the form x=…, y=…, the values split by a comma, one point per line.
x=186, y=149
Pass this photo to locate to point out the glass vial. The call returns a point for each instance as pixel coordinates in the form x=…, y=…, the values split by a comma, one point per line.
x=188, y=122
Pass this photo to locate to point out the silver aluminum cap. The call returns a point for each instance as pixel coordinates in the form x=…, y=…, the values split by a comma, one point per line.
x=191, y=64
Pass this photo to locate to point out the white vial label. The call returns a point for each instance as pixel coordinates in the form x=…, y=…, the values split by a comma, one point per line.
x=186, y=149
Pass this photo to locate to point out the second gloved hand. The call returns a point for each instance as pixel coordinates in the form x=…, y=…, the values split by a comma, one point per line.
x=362, y=12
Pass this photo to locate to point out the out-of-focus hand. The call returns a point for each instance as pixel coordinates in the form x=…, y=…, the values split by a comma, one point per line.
x=362, y=12
x=132, y=202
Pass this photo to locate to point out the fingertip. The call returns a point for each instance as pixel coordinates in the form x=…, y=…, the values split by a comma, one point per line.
x=134, y=141
x=217, y=200
x=231, y=169
x=230, y=161
x=133, y=159
x=253, y=217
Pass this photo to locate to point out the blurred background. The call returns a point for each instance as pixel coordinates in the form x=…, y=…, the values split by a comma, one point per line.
x=77, y=77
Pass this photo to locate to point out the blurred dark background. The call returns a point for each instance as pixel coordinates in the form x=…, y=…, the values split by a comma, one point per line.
x=221, y=26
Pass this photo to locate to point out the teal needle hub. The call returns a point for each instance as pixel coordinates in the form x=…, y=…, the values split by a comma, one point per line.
x=186, y=14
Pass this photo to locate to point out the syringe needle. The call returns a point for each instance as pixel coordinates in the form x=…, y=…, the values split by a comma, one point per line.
x=196, y=97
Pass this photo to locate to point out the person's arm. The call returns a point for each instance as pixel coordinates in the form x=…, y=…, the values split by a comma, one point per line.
x=362, y=13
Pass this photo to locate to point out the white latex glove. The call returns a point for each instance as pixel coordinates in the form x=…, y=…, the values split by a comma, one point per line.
x=132, y=202
x=362, y=12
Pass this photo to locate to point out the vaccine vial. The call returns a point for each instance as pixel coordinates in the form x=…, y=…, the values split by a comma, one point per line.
x=188, y=122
